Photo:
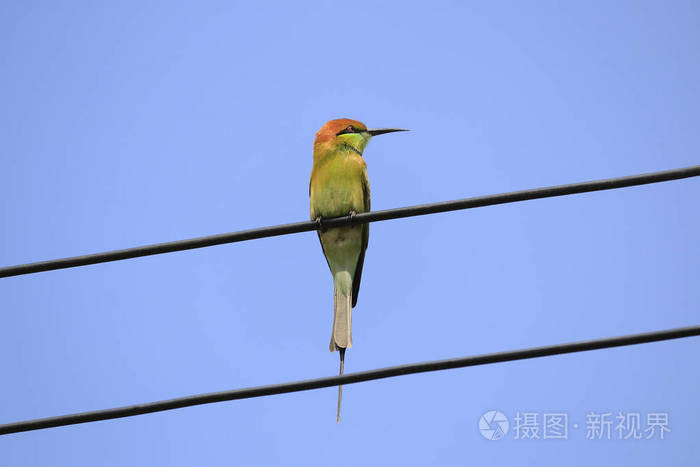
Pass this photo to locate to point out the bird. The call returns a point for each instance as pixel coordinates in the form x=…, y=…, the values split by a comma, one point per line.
x=339, y=186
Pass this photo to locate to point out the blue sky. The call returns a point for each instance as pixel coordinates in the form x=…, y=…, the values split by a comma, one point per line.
x=129, y=123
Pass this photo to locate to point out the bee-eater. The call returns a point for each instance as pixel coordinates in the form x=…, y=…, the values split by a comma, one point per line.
x=339, y=187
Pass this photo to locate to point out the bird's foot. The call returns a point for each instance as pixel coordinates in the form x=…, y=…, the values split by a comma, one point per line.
x=352, y=215
x=319, y=224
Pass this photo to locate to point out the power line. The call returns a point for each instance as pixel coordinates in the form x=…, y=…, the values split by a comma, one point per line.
x=349, y=378
x=374, y=216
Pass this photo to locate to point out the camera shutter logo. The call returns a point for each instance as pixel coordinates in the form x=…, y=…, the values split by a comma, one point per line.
x=493, y=425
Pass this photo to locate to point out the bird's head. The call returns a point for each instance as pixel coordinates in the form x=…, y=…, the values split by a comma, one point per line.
x=346, y=133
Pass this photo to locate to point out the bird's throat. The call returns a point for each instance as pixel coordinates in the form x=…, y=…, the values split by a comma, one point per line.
x=351, y=148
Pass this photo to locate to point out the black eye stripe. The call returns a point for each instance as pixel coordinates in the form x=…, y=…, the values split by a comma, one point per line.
x=348, y=129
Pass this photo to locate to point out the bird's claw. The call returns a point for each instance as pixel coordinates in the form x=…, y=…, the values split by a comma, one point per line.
x=352, y=215
x=319, y=224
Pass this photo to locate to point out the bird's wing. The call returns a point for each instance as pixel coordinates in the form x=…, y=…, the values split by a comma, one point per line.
x=324, y=251
x=318, y=231
x=365, y=239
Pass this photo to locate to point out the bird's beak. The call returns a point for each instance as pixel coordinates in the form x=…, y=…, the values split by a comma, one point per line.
x=381, y=131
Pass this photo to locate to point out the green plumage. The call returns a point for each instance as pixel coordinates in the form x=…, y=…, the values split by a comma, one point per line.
x=339, y=187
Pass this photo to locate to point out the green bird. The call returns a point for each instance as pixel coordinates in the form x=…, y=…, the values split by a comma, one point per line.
x=339, y=186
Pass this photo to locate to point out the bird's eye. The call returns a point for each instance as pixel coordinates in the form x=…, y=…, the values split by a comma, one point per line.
x=346, y=130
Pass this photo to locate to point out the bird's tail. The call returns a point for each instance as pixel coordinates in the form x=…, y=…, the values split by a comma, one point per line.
x=341, y=337
x=340, y=387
